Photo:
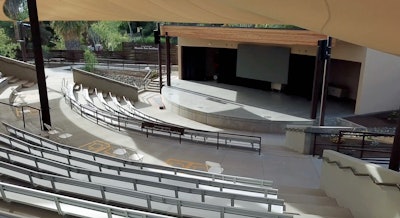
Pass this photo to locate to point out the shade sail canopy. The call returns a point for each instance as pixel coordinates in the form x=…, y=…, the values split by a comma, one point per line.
x=368, y=23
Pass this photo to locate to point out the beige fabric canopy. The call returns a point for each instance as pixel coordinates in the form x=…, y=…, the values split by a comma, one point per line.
x=368, y=23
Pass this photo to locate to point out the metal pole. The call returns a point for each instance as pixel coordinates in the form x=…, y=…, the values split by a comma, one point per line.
x=394, y=163
x=37, y=48
x=317, y=78
x=327, y=57
x=23, y=116
x=159, y=55
x=168, y=45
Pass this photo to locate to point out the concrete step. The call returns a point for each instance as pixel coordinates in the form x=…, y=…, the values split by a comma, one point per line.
x=3, y=82
x=319, y=210
x=307, y=199
x=12, y=80
x=153, y=90
x=300, y=191
x=28, y=84
x=153, y=85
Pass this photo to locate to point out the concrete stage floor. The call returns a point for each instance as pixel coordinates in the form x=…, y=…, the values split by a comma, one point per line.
x=236, y=107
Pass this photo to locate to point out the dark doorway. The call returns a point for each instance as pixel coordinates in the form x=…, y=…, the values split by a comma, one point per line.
x=200, y=63
x=301, y=76
x=193, y=63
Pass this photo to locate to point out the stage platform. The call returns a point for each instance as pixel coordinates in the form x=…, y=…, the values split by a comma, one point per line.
x=236, y=107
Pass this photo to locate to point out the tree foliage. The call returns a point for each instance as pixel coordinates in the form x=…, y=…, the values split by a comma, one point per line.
x=109, y=34
x=7, y=47
x=71, y=32
x=16, y=9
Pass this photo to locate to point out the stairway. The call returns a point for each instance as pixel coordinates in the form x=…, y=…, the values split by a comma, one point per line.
x=154, y=85
x=311, y=203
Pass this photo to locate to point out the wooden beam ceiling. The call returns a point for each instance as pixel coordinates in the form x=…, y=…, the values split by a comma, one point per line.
x=246, y=35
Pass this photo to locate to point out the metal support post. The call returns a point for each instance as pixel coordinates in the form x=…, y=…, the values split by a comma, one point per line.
x=394, y=163
x=327, y=57
x=317, y=78
x=41, y=77
x=158, y=41
x=168, y=45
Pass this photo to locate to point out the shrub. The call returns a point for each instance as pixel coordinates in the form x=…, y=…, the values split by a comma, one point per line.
x=90, y=60
x=7, y=47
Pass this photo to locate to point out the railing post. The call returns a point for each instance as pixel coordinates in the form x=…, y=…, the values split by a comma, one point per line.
x=40, y=120
x=109, y=214
x=217, y=140
x=338, y=142
x=23, y=116
x=179, y=209
x=222, y=213
x=3, y=194
x=119, y=125
x=31, y=180
x=314, y=144
x=362, y=146
x=148, y=203
x=59, y=210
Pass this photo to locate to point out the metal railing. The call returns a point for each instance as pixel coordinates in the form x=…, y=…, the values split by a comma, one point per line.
x=23, y=109
x=359, y=144
x=121, y=120
x=151, y=203
x=67, y=205
x=71, y=167
x=104, y=160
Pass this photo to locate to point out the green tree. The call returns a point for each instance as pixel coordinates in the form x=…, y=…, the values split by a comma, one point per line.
x=109, y=34
x=70, y=31
x=16, y=9
x=7, y=47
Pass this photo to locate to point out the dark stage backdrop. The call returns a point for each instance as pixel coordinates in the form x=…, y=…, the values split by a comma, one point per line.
x=265, y=63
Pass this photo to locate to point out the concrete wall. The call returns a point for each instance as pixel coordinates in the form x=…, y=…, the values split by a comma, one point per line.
x=379, y=88
x=221, y=121
x=18, y=69
x=360, y=194
x=104, y=84
x=297, y=139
